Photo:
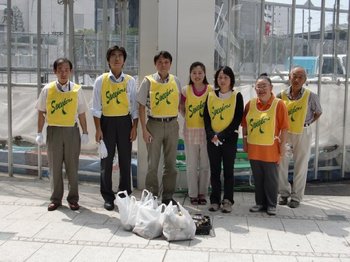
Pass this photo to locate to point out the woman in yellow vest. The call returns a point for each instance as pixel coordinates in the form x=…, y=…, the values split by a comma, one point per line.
x=115, y=113
x=193, y=100
x=265, y=125
x=222, y=116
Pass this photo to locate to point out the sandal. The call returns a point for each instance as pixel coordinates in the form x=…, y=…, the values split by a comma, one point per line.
x=194, y=201
x=202, y=200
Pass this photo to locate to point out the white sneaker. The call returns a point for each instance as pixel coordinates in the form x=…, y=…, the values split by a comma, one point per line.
x=214, y=207
x=226, y=206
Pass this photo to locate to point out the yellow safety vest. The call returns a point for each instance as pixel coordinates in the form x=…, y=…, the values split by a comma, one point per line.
x=297, y=110
x=164, y=97
x=115, y=100
x=61, y=107
x=194, y=106
x=221, y=111
x=261, y=124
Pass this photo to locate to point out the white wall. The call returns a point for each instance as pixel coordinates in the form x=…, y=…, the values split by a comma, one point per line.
x=185, y=28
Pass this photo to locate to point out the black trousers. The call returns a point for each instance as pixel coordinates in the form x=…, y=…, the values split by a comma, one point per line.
x=266, y=182
x=116, y=133
x=225, y=153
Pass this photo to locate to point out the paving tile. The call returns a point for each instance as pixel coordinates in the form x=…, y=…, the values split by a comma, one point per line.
x=98, y=254
x=87, y=216
x=285, y=211
x=307, y=210
x=274, y=258
x=324, y=243
x=282, y=241
x=5, y=223
x=263, y=224
x=250, y=240
x=142, y=255
x=229, y=257
x=318, y=259
x=62, y=230
x=18, y=251
x=298, y=226
x=220, y=240
x=62, y=214
x=55, y=252
x=335, y=228
x=95, y=232
x=29, y=212
x=180, y=256
x=6, y=210
x=127, y=237
x=24, y=229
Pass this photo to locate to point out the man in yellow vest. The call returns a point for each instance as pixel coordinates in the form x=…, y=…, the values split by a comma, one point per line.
x=115, y=113
x=160, y=93
x=61, y=103
x=304, y=109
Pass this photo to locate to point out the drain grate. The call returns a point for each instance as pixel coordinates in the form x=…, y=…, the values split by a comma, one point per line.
x=337, y=217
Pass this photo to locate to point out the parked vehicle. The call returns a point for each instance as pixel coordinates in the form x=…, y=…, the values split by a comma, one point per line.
x=311, y=64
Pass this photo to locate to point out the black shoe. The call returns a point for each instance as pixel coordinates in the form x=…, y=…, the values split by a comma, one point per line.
x=167, y=201
x=109, y=206
x=53, y=206
x=293, y=204
x=283, y=201
x=73, y=205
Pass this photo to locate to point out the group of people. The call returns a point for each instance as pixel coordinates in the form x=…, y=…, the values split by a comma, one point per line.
x=213, y=115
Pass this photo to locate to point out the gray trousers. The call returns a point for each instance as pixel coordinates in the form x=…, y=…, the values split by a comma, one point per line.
x=166, y=135
x=266, y=182
x=301, y=154
x=197, y=166
x=63, y=146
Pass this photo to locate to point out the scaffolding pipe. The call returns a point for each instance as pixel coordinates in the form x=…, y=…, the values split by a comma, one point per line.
x=261, y=36
x=229, y=32
x=291, y=60
x=65, y=28
x=346, y=97
x=104, y=35
x=9, y=85
x=38, y=73
x=320, y=62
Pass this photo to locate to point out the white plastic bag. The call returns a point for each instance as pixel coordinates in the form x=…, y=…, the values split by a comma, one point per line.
x=102, y=150
x=178, y=224
x=148, y=221
x=128, y=207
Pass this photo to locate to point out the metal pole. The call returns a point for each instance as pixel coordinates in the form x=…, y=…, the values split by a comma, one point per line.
x=71, y=40
x=229, y=32
x=309, y=31
x=123, y=9
x=38, y=71
x=9, y=85
x=320, y=62
x=291, y=62
x=65, y=28
x=336, y=38
x=104, y=35
x=346, y=95
x=261, y=36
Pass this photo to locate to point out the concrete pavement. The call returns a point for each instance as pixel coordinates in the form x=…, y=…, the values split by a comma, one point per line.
x=319, y=230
